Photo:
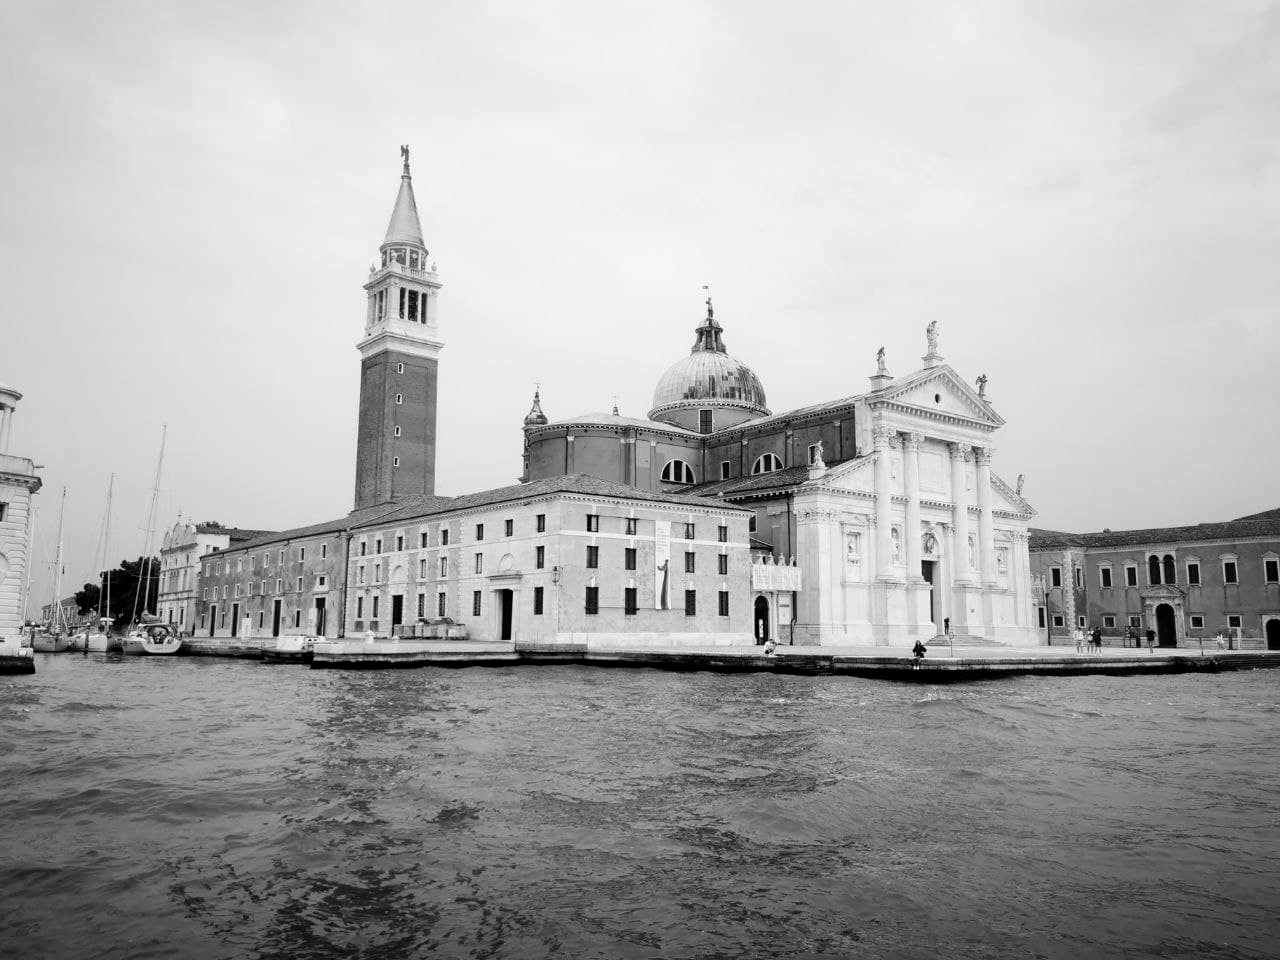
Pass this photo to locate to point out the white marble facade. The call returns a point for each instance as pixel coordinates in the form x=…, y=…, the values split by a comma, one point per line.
x=918, y=535
x=18, y=483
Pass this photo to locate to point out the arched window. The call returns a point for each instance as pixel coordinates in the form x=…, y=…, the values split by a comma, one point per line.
x=766, y=463
x=677, y=471
x=1170, y=573
x=1153, y=569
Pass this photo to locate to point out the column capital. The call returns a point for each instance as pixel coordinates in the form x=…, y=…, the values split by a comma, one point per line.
x=911, y=440
x=984, y=455
x=961, y=451
x=879, y=436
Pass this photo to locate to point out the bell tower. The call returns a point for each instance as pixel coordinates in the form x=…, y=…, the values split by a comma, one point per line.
x=399, y=357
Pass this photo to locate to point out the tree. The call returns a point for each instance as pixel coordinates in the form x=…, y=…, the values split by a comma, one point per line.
x=125, y=586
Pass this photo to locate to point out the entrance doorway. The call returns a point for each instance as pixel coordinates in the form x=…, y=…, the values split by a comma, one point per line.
x=926, y=570
x=235, y=619
x=506, y=607
x=1273, y=634
x=1166, y=629
x=397, y=611
x=320, y=616
x=213, y=618
x=275, y=618
x=762, y=620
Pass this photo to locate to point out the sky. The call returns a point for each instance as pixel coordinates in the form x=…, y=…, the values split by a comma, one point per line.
x=1084, y=195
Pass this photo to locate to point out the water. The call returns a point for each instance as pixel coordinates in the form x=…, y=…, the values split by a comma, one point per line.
x=175, y=807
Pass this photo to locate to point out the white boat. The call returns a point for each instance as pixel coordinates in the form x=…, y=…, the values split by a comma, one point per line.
x=152, y=639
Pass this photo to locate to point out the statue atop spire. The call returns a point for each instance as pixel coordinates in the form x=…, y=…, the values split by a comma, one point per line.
x=535, y=417
x=708, y=332
x=404, y=153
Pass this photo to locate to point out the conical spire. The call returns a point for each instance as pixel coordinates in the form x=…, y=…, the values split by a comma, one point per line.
x=404, y=226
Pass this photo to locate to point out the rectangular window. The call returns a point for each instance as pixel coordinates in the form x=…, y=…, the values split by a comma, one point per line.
x=540, y=557
x=1229, y=574
x=540, y=522
x=1271, y=570
x=689, y=561
x=399, y=543
x=479, y=531
x=1078, y=576
x=475, y=603
x=1193, y=574
x=724, y=603
x=508, y=527
x=4, y=507
x=593, y=600
x=1197, y=622
x=629, y=558
x=593, y=558
x=297, y=618
x=1080, y=622
x=1104, y=575
x=631, y=526
x=444, y=567
x=537, y=601
x=422, y=606
x=1055, y=576
x=1233, y=622
x=1057, y=620
x=1040, y=617
x=422, y=568
x=377, y=545
x=722, y=533
x=439, y=604
x=593, y=523
x=422, y=540
x=723, y=564
x=281, y=558
x=360, y=574
x=629, y=605
x=413, y=305
x=324, y=551
x=724, y=469
x=403, y=293
x=479, y=563
x=364, y=548
x=691, y=603
x=299, y=588
x=1135, y=621
x=302, y=554
x=322, y=581
x=1108, y=621
x=444, y=538
x=689, y=531
x=1131, y=576
x=375, y=607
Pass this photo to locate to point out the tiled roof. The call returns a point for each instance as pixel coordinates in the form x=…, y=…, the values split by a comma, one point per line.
x=424, y=506
x=1265, y=524
x=579, y=483
x=785, y=479
x=236, y=534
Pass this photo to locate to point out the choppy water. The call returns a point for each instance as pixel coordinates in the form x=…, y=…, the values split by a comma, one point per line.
x=198, y=808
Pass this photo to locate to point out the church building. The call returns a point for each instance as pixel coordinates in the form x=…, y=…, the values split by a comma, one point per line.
x=875, y=518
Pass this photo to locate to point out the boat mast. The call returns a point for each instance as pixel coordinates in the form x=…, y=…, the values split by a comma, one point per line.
x=31, y=545
x=104, y=552
x=59, y=617
x=144, y=580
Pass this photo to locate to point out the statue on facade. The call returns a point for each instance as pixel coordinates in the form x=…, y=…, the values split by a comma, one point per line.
x=982, y=387
x=881, y=369
x=896, y=536
x=818, y=462
x=1022, y=478
x=931, y=335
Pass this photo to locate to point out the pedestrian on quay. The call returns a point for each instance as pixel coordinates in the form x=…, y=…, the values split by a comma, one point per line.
x=1078, y=635
x=1151, y=640
x=919, y=650
x=1097, y=638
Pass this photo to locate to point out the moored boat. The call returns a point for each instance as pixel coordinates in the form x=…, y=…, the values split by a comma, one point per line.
x=151, y=638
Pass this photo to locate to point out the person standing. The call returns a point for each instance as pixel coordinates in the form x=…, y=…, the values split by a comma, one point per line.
x=1151, y=640
x=1097, y=638
x=1078, y=635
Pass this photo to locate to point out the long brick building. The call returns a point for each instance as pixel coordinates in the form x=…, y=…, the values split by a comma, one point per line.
x=1185, y=583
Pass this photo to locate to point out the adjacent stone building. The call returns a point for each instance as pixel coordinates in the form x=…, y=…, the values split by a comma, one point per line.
x=18, y=484
x=1184, y=583
x=180, y=552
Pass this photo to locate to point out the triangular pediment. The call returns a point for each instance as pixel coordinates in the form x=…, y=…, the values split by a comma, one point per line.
x=1005, y=498
x=855, y=475
x=939, y=390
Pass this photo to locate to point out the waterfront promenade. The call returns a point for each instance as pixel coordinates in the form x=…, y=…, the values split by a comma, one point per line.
x=941, y=664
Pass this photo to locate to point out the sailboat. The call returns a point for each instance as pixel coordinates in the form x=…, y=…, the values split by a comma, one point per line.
x=54, y=639
x=149, y=635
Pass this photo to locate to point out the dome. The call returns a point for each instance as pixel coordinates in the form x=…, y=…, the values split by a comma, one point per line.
x=709, y=377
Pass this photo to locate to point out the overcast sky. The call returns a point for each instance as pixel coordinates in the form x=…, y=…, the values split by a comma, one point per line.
x=1085, y=196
